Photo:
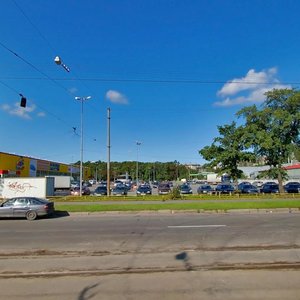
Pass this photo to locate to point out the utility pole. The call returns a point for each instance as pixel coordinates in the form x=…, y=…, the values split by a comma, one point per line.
x=108, y=153
x=81, y=99
x=137, y=163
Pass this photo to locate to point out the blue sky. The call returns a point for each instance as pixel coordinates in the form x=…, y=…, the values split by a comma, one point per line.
x=171, y=72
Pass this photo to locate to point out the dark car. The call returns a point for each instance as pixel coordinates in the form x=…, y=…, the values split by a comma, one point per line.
x=100, y=190
x=243, y=183
x=224, y=188
x=292, y=187
x=87, y=184
x=205, y=189
x=164, y=188
x=84, y=191
x=248, y=189
x=120, y=190
x=144, y=190
x=28, y=207
x=185, y=189
x=155, y=184
x=269, y=188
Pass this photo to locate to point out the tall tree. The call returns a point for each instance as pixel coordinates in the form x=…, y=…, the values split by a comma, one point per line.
x=228, y=150
x=273, y=130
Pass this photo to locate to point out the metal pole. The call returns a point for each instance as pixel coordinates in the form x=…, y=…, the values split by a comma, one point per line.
x=137, y=165
x=81, y=141
x=108, y=153
x=81, y=147
x=137, y=162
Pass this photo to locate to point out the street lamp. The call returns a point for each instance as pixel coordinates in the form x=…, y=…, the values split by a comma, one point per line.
x=59, y=62
x=82, y=99
x=137, y=162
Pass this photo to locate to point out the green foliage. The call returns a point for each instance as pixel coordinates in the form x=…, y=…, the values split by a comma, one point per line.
x=148, y=171
x=228, y=150
x=175, y=193
x=273, y=130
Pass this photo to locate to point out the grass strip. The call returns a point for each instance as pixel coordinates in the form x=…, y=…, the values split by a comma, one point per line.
x=132, y=198
x=178, y=206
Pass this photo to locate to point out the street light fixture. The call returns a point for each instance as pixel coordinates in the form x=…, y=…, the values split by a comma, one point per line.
x=59, y=62
x=82, y=99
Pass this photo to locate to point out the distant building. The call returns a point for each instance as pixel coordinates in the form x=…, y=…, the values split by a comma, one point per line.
x=13, y=165
x=293, y=171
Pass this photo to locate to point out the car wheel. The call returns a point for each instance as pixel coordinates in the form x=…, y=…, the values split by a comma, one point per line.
x=31, y=215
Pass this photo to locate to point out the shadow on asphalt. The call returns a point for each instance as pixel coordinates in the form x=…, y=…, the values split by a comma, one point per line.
x=60, y=214
x=183, y=256
x=57, y=214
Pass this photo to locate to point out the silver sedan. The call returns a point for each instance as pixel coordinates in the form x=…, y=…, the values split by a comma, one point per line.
x=28, y=207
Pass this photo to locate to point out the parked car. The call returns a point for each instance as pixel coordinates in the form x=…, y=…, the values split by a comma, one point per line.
x=120, y=190
x=292, y=187
x=205, y=189
x=155, y=184
x=248, y=189
x=144, y=190
x=270, y=187
x=26, y=207
x=75, y=184
x=224, y=188
x=76, y=191
x=241, y=184
x=185, y=189
x=258, y=183
x=163, y=189
x=100, y=190
x=92, y=181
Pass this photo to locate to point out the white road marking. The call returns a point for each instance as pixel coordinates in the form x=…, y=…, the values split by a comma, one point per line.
x=197, y=226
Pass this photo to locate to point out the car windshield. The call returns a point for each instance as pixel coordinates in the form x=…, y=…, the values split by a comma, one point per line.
x=206, y=187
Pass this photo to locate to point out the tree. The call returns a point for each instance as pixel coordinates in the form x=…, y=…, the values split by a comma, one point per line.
x=228, y=150
x=297, y=152
x=273, y=131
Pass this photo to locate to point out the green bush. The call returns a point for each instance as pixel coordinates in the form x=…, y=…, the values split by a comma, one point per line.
x=175, y=193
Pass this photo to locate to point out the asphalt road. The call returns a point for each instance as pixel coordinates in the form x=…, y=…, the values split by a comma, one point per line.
x=150, y=256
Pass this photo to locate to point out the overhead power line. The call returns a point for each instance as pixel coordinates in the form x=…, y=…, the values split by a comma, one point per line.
x=34, y=67
x=33, y=25
x=142, y=80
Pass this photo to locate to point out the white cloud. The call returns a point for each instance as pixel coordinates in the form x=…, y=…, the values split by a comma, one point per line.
x=73, y=90
x=116, y=97
x=41, y=114
x=22, y=112
x=253, y=87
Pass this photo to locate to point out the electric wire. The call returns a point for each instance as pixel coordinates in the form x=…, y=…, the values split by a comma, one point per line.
x=34, y=67
x=47, y=41
x=174, y=81
x=33, y=25
x=49, y=44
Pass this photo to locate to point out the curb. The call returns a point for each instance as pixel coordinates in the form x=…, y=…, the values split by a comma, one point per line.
x=195, y=211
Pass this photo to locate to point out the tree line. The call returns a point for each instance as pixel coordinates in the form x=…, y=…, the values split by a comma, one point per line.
x=147, y=171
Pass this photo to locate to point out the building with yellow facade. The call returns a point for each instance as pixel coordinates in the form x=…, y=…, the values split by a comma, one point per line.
x=13, y=165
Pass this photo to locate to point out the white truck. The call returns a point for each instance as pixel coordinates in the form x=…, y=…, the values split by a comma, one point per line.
x=213, y=178
x=41, y=187
x=62, y=182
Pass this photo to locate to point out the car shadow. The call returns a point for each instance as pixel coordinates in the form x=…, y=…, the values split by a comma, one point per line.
x=59, y=214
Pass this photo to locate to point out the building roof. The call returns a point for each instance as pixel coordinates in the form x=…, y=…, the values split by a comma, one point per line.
x=292, y=167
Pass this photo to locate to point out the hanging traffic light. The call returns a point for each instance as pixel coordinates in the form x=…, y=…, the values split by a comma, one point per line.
x=23, y=101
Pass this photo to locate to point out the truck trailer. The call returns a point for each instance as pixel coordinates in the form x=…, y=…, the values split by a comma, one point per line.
x=26, y=186
x=62, y=182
